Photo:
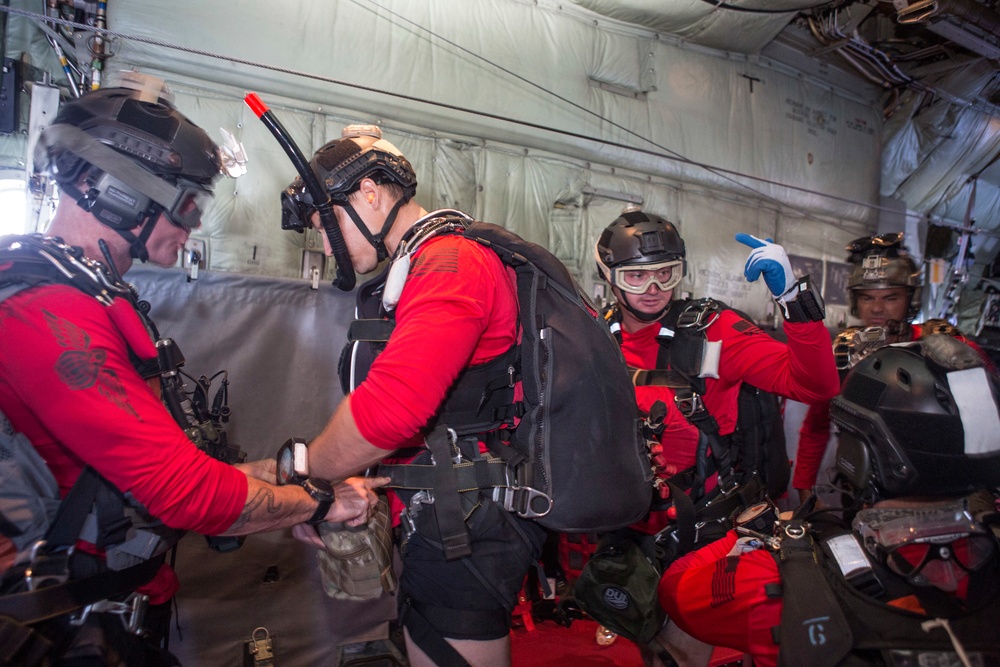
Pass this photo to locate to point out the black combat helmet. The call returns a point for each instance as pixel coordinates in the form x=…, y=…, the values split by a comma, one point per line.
x=96, y=142
x=919, y=419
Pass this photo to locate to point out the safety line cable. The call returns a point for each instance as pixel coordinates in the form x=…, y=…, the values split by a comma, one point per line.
x=718, y=171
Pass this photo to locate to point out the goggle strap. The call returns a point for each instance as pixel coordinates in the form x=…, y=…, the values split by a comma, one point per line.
x=107, y=159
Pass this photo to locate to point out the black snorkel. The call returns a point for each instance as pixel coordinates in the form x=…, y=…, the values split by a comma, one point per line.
x=346, y=278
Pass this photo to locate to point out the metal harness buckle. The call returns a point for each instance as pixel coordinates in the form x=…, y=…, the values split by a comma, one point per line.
x=47, y=568
x=520, y=499
x=698, y=314
x=689, y=403
x=132, y=611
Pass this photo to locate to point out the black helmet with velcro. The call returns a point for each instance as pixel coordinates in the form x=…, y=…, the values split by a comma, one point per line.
x=126, y=154
x=919, y=419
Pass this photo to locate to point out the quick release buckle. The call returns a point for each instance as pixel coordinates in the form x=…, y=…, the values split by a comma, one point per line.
x=727, y=484
x=689, y=403
x=698, y=314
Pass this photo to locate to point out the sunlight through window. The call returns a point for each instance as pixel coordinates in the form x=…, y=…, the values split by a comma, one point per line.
x=13, y=207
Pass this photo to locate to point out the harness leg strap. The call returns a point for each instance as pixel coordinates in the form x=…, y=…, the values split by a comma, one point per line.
x=447, y=501
x=430, y=641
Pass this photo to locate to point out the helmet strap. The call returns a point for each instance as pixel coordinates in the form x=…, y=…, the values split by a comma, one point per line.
x=377, y=241
x=137, y=244
x=638, y=314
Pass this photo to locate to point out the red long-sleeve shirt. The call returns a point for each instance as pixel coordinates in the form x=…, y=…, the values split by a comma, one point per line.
x=458, y=308
x=803, y=370
x=67, y=383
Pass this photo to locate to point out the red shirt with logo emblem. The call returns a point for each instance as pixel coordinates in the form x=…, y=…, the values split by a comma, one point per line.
x=67, y=383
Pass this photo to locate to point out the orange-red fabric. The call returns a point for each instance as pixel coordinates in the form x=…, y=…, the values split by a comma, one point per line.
x=720, y=599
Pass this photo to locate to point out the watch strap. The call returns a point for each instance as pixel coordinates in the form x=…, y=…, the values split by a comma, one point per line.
x=322, y=492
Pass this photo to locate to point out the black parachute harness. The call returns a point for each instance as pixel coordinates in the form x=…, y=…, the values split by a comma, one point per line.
x=835, y=603
x=480, y=407
x=679, y=367
x=527, y=458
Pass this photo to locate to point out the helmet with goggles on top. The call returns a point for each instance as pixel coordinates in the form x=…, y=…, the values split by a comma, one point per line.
x=638, y=250
x=95, y=144
x=882, y=262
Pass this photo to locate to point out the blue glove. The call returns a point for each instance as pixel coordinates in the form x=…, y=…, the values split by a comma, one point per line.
x=770, y=259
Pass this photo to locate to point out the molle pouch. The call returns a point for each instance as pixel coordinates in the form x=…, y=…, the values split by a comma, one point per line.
x=356, y=563
x=617, y=588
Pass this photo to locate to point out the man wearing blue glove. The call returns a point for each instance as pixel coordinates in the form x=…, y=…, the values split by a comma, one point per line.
x=693, y=356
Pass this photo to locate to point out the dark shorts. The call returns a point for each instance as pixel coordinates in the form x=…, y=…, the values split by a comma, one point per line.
x=504, y=547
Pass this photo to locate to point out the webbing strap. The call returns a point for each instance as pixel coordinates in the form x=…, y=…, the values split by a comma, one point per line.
x=814, y=630
x=430, y=641
x=374, y=330
x=447, y=502
x=470, y=475
x=49, y=602
x=73, y=511
x=21, y=645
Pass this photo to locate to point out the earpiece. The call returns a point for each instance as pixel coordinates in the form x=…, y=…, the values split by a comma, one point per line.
x=371, y=197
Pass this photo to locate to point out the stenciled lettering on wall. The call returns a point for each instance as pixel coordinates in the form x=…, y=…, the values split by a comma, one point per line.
x=724, y=285
x=816, y=120
x=859, y=125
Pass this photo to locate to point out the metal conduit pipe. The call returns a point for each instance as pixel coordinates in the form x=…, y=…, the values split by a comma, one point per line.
x=868, y=61
x=966, y=11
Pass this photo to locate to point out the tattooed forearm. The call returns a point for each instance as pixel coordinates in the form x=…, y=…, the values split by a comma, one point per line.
x=264, y=498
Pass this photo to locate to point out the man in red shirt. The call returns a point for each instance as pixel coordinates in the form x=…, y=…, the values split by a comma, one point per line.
x=77, y=345
x=916, y=578
x=454, y=307
x=644, y=259
x=884, y=290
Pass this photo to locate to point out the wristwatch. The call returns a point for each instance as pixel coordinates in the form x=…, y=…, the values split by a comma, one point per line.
x=293, y=468
x=321, y=491
x=293, y=462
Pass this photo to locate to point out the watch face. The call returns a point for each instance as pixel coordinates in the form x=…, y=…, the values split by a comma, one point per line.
x=286, y=465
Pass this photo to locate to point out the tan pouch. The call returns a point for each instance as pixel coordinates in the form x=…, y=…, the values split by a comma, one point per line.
x=357, y=562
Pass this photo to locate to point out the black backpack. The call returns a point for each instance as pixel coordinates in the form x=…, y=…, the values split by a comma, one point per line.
x=576, y=461
x=759, y=440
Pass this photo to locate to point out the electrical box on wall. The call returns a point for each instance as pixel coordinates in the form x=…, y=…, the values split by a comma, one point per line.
x=10, y=85
x=195, y=257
